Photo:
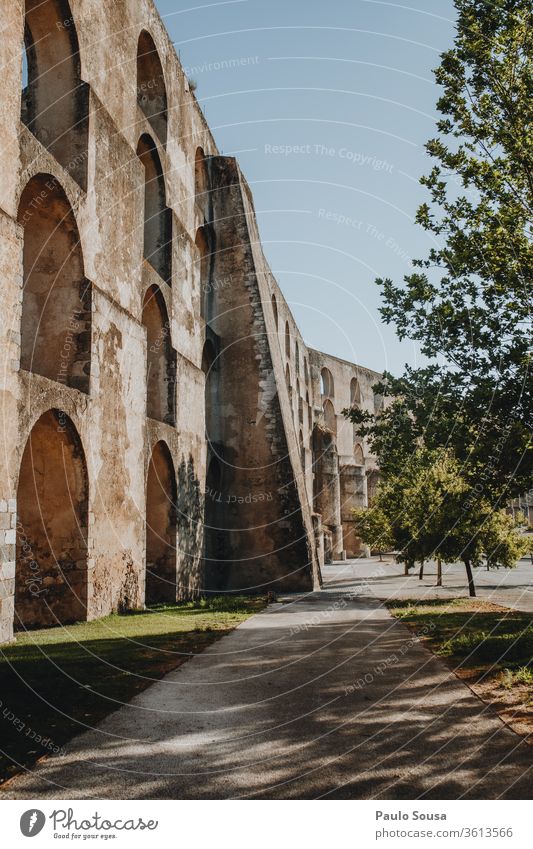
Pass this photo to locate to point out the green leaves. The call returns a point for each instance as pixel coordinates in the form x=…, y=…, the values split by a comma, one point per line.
x=468, y=303
x=428, y=509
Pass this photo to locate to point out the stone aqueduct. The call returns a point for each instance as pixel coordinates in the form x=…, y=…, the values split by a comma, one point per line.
x=165, y=429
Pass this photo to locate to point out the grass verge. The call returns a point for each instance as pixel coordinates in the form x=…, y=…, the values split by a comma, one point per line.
x=57, y=682
x=488, y=646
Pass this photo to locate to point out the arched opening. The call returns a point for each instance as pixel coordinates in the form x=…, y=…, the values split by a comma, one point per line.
x=378, y=403
x=325, y=476
x=161, y=359
x=287, y=339
x=209, y=366
x=302, y=450
x=330, y=418
x=327, y=387
x=52, y=522
x=306, y=371
x=203, y=266
x=288, y=379
x=208, y=357
x=25, y=72
x=300, y=403
x=275, y=310
x=56, y=302
x=161, y=583
x=201, y=183
x=157, y=244
x=55, y=100
x=309, y=412
x=358, y=455
x=355, y=393
x=297, y=357
x=151, y=89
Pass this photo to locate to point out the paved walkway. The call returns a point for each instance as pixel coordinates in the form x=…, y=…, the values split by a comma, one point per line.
x=385, y=580
x=324, y=696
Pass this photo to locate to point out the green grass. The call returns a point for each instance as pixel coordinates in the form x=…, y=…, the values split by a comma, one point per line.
x=55, y=683
x=522, y=675
x=477, y=634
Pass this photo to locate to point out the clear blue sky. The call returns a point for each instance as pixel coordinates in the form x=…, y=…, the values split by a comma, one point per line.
x=327, y=108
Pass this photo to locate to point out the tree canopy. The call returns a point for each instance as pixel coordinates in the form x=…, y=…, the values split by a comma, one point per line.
x=468, y=303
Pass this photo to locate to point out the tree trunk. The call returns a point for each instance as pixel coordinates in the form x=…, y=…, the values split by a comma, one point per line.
x=421, y=573
x=471, y=585
x=439, y=572
x=405, y=567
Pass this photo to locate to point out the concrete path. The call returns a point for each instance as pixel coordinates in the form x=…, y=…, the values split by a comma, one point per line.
x=385, y=580
x=319, y=697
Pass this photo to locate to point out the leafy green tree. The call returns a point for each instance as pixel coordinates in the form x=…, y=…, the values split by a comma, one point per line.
x=435, y=492
x=468, y=303
x=428, y=510
x=389, y=520
x=384, y=524
x=503, y=544
x=373, y=527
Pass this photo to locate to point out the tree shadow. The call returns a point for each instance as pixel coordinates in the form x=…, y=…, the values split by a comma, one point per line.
x=315, y=701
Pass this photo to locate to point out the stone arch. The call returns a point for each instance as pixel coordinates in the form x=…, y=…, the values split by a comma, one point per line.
x=55, y=101
x=56, y=301
x=330, y=419
x=288, y=378
x=359, y=457
x=161, y=527
x=300, y=403
x=355, y=393
x=306, y=370
x=161, y=359
x=208, y=357
x=151, y=88
x=204, y=258
x=52, y=525
x=327, y=386
x=297, y=357
x=287, y=339
x=275, y=310
x=157, y=243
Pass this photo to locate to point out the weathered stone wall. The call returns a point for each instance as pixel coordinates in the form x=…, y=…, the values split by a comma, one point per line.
x=260, y=395
x=346, y=385
x=268, y=534
x=116, y=435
